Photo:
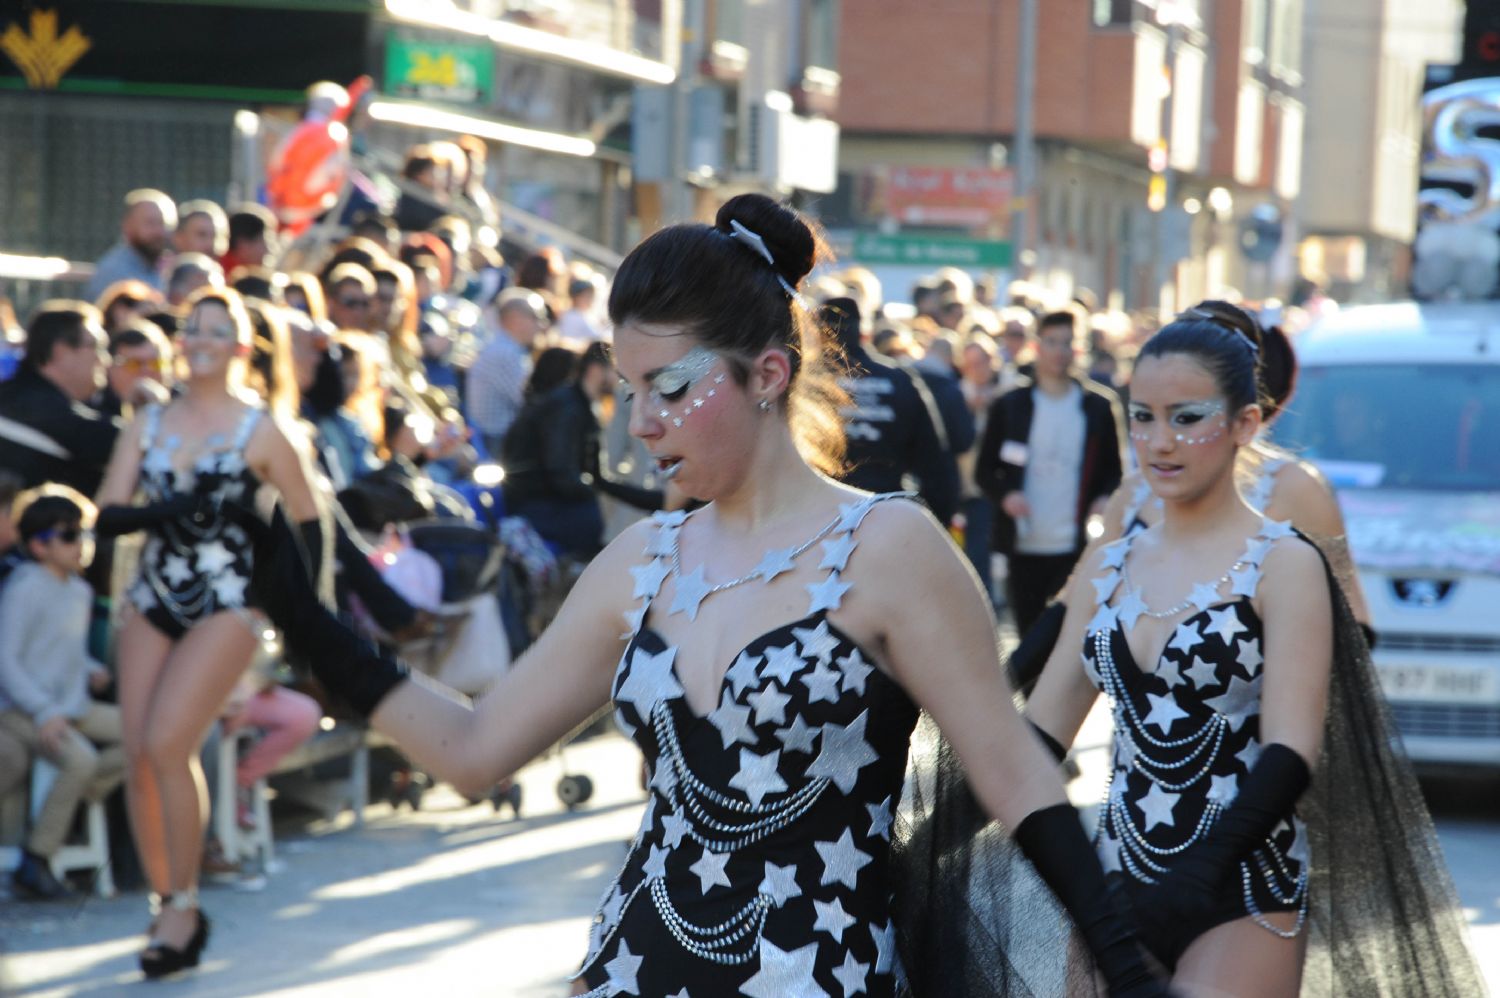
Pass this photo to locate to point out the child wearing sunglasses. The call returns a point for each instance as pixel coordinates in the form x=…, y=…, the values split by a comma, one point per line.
x=47, y=677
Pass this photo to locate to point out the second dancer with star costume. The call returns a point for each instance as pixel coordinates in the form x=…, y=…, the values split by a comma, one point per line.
x=1238, y=680
x=766, y=653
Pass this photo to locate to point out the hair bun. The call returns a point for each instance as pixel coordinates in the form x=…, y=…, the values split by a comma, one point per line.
x=1235, y=318
x=793, y=244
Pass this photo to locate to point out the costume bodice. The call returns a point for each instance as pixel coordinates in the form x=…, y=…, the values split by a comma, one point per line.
x=760, y=867
x=192, y=567
x=1187, y=727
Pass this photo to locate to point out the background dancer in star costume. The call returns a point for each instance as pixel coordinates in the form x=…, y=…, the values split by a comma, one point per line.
x=190, y=631
x=771, y=668
x=1221, y=693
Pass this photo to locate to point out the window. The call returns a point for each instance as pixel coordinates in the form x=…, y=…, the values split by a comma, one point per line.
x=1399, y=426
x=1112, y=13
x=822, y=48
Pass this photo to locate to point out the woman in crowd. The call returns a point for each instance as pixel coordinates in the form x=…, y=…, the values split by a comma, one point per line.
x=773, y=662
x=193, y=628
x=1235, y=673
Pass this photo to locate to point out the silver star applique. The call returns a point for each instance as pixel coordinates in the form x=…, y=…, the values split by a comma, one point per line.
x=757, y=775
x=1224, y=789
x=1104, y=619
x=663, y=543
x=670, y=518
x=1130, y=608
x=851, y=515
x=690, y=593
x=1249, y=755
x=1273, y=530
x=176, y=571
x=783, y=663
x=655, y=867
x=649, y=681
x=1244, y=581
x=613, y=907
x=817, y=642
x=836, y=552
x=822, y=684
x=1157, y=807
x=229, y=589
x=1256, y=551
x=1169, y=672
x=664, y=778
x=784, y=973
x=1299, y=850
x=633, y=620
x=1225, y=623
x=213, y=557
x=1203, y=674
x=856, y=670
x=733, y=721
x=881, y=816
x=851, y=975
x=1238, y=702
x=1186, y=637
x=885, y=945
x=649, y=577
x=622, y=971
x=842, y=861
x=780, y=883
x=710, y=869
x=775, y=563
x=742, y=674
x=798, y=736
x=1114, y=554
x=831, y=918
x=1249, y=656
x=1164, y=712
x=828, y=594
x=1105, y=587
x=844, y=753
x=674, y=826
x=770, y=705
x=1204, y=595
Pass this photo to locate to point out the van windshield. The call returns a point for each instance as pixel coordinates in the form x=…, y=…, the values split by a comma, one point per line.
x=1433, y=426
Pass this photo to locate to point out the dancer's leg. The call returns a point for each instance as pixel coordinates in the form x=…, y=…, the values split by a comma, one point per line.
x=1242, y=960
x=142, y=651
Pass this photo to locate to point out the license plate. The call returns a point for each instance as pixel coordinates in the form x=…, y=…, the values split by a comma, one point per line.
x=1441, y=683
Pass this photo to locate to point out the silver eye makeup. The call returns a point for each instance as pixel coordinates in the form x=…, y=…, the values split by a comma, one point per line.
x=1193, y=422
x=673, y=384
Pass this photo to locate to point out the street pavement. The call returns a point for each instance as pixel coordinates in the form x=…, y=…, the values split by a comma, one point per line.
x=450, y=902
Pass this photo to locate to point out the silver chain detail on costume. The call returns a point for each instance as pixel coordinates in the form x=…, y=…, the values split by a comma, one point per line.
x=711, y=942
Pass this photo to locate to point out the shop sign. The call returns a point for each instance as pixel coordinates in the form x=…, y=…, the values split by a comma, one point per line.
x=962, y=197
x=930, y=251
x=453, y=72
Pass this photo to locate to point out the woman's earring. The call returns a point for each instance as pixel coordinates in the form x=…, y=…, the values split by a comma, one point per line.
x=766, y=405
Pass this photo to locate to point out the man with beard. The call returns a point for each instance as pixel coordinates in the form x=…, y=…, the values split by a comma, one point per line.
x=149, y=216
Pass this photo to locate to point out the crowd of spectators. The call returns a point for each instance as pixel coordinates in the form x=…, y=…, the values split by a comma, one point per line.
x=412, y=357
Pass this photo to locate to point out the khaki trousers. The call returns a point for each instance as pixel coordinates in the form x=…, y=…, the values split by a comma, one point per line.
x=90, y=763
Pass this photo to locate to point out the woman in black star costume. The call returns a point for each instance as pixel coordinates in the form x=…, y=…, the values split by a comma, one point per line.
x=1237, y=679
x=769, y=653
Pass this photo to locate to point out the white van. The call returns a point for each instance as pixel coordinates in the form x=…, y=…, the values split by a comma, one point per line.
x=1399, y=405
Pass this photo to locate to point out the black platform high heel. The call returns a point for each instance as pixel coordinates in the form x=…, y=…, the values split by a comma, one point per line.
x=159, y=960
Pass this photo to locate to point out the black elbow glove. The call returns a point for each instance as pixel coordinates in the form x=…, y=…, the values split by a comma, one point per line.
x=1026, y=662
x=1197, y=878
x=1053, y=839
x=1058, y=749
x=116, y=521
x=347, y=665
x=311, y=534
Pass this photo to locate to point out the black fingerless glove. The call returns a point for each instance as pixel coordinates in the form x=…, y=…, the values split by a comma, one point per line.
x=116, y=521
x=1053, y=840
x=348, y=666
x=1026, y=662
x=1196, y=879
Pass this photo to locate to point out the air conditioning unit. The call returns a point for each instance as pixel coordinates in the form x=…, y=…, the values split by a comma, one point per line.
x=786, y=151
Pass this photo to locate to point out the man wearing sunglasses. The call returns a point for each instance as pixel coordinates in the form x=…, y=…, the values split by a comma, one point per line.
x=47, y=677
x=139, y=372
x=351, y=293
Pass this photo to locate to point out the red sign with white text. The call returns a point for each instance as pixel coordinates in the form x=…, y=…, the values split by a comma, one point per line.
x=970, y=197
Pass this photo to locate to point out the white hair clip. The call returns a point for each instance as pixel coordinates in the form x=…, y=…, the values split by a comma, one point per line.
x=758, y=245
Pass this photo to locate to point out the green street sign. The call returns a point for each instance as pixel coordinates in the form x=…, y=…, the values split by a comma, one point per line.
x=454, y=72
x=936, y=251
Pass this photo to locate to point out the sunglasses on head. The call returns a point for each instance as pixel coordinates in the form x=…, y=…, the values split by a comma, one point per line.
x=68, y=535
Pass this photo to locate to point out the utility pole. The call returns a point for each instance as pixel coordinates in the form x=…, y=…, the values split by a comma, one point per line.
x=1023, y=147
x=1163, y=190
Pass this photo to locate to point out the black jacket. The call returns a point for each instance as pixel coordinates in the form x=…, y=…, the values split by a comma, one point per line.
x=551, y=452
x=892, y=430
x=1009, y=422
x=88, y=437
